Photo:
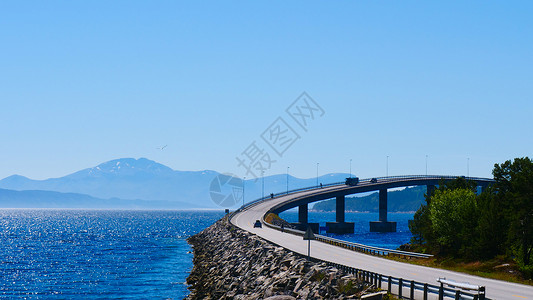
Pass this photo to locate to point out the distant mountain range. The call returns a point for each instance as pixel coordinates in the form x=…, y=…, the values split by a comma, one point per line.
x=408, y=199
x=135, y=183
x=49, y=199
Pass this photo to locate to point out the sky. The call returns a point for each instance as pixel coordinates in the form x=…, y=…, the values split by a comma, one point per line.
x=84, y=82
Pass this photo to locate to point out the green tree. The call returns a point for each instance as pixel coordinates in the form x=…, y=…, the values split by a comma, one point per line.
x=514, y=187
x=454, y=216
x=421, y=226
x=492, y=225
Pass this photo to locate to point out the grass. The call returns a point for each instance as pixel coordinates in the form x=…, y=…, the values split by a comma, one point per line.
x=500, y=268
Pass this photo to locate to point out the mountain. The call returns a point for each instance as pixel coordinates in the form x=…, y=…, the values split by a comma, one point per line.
x=126, y=178
x=408, y=199
x=144, y=179
x=48, y=199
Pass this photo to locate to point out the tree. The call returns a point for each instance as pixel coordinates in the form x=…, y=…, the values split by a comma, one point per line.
x=454, y=216
x=492, y=225
x=514, y=187
x=421, y=226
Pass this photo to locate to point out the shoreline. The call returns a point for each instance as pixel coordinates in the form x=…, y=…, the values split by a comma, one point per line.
x=230, y=263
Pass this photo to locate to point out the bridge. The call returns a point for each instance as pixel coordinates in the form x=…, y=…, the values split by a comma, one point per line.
x=381, y=184
x=333, y=252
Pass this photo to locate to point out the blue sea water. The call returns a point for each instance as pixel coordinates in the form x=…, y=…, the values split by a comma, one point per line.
x=102, y=254
x=362, y=234
x=65, y=254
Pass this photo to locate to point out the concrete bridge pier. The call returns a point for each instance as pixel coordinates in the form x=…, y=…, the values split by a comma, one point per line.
x=303, y=214
x=383, y=225
x=340, y=226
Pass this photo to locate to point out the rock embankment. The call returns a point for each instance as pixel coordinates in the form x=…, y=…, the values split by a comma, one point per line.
x=230, y=263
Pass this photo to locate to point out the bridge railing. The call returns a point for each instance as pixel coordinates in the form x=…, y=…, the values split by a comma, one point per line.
x=410, y=289
x=274, y=195
x=365, y=180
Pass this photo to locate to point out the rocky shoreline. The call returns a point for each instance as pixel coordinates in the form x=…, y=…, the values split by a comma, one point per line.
x=230, y=263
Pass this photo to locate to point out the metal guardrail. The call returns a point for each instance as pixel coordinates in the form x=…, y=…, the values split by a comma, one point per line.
x=385, y=282
x=350, y=245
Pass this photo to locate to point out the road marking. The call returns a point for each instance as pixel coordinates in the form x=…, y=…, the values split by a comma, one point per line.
x=520, y=296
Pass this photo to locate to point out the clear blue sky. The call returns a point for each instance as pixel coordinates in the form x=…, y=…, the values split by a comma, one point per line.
x=83, y=82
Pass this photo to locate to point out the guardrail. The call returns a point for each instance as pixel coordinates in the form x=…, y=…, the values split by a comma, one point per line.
x=411, y=287
x=351, y=246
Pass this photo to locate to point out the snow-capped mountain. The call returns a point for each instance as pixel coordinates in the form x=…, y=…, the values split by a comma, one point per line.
x=144, y=179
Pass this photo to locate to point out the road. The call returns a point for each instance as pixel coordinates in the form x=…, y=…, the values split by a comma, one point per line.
x=495, y=289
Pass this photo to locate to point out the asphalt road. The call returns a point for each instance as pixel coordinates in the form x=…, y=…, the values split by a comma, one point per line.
x=495, y=289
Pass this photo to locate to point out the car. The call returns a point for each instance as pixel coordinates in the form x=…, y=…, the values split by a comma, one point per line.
x=374, y=180
x=258, y=224
x=351, y=181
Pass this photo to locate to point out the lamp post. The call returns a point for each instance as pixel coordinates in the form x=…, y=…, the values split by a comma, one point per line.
x=243, y=182
x=317, y=174
x=350, y=168
x=426, y=165
x=263, y=183
x=468, y=167
x=387, y=166
x=287, y=180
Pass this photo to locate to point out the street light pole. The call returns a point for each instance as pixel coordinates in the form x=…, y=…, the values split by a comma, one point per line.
x=426, y=165
x=287, y=180
x=350, y=168
x=317, y=174
x=263, y=183
x=468, y=167
x=387, y=166
x=243, y=182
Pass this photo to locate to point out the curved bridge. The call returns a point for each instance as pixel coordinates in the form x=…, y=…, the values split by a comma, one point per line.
x=366, y=185
x=246, y=216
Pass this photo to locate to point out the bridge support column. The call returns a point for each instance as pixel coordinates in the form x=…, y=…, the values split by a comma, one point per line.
x=383, y=225
x=340, y=227
x=482, y=188
x=303, y=215
x=339, y=209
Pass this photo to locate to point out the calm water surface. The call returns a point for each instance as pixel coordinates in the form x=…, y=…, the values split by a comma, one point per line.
x=362, y=232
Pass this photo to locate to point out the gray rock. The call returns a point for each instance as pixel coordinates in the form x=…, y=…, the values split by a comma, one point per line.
x=232, y=264
x=280, y=297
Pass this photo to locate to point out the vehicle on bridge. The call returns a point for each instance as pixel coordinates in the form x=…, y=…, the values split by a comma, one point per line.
x=351, y=181
x=258, y=224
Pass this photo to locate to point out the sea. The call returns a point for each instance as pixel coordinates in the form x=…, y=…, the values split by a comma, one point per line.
x=115, y=254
